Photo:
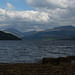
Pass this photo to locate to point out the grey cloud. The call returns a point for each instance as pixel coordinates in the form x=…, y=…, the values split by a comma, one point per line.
x=51, y=4
x=22, y=19
x=49, y=14
x=41, y=4
x=61, y=12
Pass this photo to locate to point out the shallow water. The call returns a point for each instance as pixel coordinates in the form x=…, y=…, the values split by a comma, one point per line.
x=33, y=51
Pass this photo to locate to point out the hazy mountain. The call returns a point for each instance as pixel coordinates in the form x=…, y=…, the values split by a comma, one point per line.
x=14, y=32
x=17, y=32
x=65, y=27
x=63, y=32
x=8, y=36
x=28, y=33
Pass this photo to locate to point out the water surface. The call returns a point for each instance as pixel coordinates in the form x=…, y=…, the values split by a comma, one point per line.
x=33, y=51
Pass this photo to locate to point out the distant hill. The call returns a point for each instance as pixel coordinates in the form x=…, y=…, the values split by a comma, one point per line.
x=17, y=32
x=8, y=36
x=63, y=32
x=28, y=33
x=65, y=27
x=14, y=32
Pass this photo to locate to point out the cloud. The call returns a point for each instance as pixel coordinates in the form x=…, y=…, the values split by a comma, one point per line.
x=51, y=4
x=61, y=12
x=9, y=7
x=22, y=19
x=48, y=14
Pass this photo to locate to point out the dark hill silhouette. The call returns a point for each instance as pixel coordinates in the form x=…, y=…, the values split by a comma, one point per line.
x=8, y=36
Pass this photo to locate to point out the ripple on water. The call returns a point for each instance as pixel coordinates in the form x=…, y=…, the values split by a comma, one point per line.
x=31, y=51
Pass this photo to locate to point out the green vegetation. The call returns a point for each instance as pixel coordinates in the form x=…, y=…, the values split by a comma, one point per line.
x=44, y=68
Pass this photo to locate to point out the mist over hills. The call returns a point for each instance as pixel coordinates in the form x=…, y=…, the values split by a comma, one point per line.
x=63, y=32
x=57, y=33
x=13, y=31
x=17, y=32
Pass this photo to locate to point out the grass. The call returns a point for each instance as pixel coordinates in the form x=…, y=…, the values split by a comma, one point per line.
x=44, y=68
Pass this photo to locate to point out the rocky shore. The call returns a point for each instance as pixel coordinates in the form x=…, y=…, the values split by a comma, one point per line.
x=48, y=66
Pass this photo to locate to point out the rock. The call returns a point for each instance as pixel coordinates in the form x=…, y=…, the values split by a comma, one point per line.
x=53, y=61
x=57, y=61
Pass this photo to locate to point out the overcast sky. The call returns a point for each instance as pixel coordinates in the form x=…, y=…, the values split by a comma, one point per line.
x=28, y=15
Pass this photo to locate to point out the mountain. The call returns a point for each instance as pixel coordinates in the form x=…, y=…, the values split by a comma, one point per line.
x=28, y=33
x=8, y=36
x=17, y=32
x=65, y=27
x=63, y=32
x=14, y=32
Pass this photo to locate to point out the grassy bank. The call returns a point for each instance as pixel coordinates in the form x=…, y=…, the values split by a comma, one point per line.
x=62, y=66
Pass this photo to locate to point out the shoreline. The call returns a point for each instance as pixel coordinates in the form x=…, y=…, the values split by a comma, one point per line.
x=47, y=66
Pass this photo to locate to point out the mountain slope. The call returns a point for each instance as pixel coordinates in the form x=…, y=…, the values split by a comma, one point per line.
x=64, y=32
x=14, y=32
x=28, y=33
x=8, y=36
x=65, y=27
x=17, y=32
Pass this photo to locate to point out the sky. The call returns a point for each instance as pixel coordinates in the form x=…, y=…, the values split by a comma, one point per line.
x=29, y=15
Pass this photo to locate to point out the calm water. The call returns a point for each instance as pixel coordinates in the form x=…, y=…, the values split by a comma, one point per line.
x=33, y=51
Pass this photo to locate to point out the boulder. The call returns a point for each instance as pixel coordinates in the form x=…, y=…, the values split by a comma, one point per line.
x=57, y=61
